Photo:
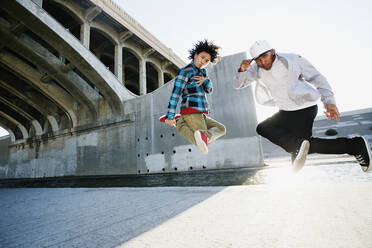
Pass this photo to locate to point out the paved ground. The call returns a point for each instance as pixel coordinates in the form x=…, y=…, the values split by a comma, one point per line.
x=322, y=206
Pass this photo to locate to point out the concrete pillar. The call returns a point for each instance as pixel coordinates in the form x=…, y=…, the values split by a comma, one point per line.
x=53, y=123
x=119, y=62
x=142, y=76
x=85, y=34
x=37, y=127
x=161, y=78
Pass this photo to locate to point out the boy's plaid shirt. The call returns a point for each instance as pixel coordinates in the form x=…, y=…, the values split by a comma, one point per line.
x=192, y=95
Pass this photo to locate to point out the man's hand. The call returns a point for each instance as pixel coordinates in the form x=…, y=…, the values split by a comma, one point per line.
x=171, y=122
x=199, y=80
x=332, y=112
x=245, y=64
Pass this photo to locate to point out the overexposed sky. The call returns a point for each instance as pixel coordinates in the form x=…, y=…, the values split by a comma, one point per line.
x=335, y=36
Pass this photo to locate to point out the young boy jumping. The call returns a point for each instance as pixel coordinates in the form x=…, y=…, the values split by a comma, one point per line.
x=192, y=85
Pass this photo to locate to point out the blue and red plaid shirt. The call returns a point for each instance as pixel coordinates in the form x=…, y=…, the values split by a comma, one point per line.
x=192, y=96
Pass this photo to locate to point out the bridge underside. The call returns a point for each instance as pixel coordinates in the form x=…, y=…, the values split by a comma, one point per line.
x=80, y=94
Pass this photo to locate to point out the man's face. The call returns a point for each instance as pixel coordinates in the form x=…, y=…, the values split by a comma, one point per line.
x=266, y=60
x=201, y=59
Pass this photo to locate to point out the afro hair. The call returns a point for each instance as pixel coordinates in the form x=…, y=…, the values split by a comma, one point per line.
x=205, y=46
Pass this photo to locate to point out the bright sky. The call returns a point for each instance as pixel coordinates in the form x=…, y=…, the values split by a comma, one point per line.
x=335, y=36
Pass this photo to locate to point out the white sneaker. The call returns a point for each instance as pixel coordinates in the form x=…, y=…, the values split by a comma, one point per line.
x=300, y=156
x=201, y=141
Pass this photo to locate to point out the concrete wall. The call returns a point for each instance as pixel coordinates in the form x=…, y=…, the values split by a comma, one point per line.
x=160, y=146
x=105, y=150
x=140, y=143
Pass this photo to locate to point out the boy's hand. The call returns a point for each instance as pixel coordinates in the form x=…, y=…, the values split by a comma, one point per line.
x=171, y=122
x=199, y=80
x=332, y=112
x=245, y=64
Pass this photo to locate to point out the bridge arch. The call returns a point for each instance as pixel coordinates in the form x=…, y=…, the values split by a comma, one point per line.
x=131, y=61
x=103, y=46
x=153, y=76
x=66, y=15
x=10, y=132
x=167, y=77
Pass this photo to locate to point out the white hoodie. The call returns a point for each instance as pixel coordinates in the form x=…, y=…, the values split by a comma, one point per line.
x=302, y=76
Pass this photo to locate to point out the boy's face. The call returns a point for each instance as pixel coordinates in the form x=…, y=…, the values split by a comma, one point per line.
x=201, y=59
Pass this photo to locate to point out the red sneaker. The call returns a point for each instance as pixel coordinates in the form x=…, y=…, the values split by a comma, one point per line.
x=163, y=117
x=201, y=141
x=204, y=138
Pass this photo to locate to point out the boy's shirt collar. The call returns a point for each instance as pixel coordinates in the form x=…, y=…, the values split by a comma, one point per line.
x=194, y=67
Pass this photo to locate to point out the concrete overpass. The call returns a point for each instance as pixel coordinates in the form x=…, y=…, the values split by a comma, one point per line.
x=82, y=85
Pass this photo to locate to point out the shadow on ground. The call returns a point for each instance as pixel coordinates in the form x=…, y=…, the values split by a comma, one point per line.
x=86, y=217
x=220, y=177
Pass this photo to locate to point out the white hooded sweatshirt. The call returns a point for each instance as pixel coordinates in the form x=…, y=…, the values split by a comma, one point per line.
x=304, y=84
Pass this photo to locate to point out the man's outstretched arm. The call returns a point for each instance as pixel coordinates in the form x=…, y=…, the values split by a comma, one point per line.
x=247, y=73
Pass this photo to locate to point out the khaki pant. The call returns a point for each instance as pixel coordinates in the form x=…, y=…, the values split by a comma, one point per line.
x=189, y=123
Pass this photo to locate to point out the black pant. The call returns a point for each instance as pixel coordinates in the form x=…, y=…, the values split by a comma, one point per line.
x=287, y=129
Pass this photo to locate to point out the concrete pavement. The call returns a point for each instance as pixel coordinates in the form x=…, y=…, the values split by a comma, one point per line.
x=323, y=206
